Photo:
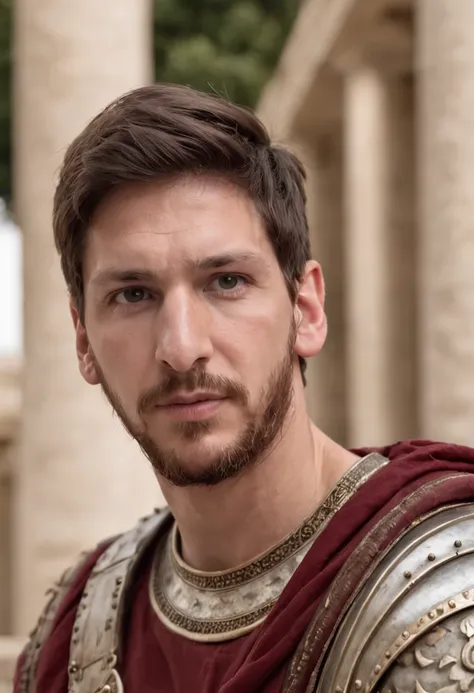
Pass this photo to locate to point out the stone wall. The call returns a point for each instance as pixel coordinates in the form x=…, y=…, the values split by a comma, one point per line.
x=10, y=649
x=10, y=403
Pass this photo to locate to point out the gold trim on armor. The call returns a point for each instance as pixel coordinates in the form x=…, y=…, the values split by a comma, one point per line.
x=219, y=606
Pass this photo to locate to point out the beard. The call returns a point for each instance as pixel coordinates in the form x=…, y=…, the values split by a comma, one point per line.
x=263, y=423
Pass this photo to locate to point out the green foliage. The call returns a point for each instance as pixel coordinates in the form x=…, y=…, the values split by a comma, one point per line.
x=225, y=46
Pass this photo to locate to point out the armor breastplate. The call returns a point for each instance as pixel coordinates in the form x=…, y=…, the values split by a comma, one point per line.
x=410, y=629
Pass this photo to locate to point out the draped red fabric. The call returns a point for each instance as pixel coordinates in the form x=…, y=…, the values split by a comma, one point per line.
x=422, y=476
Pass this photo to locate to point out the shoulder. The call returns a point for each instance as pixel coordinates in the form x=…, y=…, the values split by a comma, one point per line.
x=54, y=626
x=76, y=604
x=411, y=626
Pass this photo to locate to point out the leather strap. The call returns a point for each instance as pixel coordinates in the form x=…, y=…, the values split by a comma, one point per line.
x=96, y=639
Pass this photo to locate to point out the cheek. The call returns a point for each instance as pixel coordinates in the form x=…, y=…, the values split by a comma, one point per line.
x=253, y=346
x=124, y=358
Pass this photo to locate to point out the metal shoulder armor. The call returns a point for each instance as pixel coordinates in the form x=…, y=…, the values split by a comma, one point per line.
x=411, y=627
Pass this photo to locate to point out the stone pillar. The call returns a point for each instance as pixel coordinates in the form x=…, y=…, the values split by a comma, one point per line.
x=78, y=477
x=445, y=69
x=326, y=373
x=379, y=252
x=10, y=407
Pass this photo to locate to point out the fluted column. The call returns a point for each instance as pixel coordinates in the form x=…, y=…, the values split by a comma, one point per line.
x=379, y=256
x=445, y=69
x=78, y=478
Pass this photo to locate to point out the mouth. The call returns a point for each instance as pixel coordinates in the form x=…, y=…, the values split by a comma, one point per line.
x=189, y=398
x=193, y=406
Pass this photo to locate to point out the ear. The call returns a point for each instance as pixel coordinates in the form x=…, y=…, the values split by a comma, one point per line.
x=85, y=357
x=310, y=318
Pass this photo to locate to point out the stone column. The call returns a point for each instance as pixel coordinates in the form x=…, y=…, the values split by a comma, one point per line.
x=78, y=478
x=326, y=373
x=445, y=69
x=379, y=251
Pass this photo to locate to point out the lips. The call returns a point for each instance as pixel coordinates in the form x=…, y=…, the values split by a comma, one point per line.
x=191, y=398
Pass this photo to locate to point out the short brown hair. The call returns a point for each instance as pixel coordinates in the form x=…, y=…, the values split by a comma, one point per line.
x=163, y=130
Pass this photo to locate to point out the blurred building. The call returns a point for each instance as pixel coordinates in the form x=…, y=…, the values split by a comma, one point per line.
x=377, y=97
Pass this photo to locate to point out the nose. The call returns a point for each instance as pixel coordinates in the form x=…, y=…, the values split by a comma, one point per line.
x=183, y=338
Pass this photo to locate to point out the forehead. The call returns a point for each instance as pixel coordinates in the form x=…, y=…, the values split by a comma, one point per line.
x=171, y=224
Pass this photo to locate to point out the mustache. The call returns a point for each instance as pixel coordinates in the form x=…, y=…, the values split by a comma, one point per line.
x=188, y=382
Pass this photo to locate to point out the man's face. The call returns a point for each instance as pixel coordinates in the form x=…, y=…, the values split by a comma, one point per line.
x=189, y=327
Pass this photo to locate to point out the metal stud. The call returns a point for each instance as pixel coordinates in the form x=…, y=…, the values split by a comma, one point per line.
x=431, y=614
x=452, y=603
x=358, y=685
x=377, y=669
x=458, y=543
x=73, y=669
x=431, y=557
x=407, y=574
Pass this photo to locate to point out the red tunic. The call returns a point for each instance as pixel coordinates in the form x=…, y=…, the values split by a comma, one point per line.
x=421, y=477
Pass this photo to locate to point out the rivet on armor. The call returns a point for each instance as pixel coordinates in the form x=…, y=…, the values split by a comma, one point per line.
x=431, y=557
x=387, y=654
x=118, y=581
x=466, y=594
x=358, y=685
x=452, y=603
x=106, y=689
x=458, y=543
x=422, y=620
x=73, y=668
x=440, y=610
x=407, y=574
x=431, y=614
x=405, y=634
x=114, y=605
x=377, y=669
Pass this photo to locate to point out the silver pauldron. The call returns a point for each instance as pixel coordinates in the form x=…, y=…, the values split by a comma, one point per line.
x=411, y=627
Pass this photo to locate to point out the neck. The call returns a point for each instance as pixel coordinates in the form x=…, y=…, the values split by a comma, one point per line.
x=224, y=526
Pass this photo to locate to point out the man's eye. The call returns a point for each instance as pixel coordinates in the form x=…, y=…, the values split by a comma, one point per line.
x=132, y=295
x=227, y=282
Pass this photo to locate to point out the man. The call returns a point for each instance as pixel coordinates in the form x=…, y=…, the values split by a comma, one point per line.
x=284, y=562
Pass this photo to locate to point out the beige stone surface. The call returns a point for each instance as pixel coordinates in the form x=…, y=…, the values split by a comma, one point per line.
x=379, y=257
x=445, y=69
x=10, y=396
x=326, y=389
x=10, y=649
x=10, y=406
x=77, y=477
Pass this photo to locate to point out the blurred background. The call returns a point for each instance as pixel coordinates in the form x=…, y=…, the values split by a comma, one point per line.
x=375, y=96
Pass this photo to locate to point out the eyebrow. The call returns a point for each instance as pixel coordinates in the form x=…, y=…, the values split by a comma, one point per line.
x=115, y=274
